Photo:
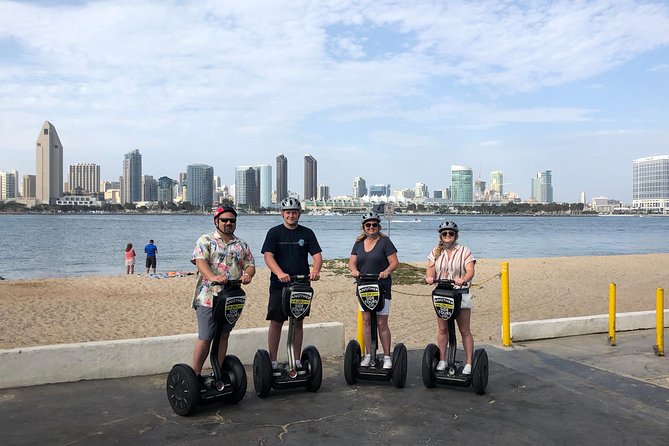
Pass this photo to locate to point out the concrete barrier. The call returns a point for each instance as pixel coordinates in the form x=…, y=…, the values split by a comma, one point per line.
x=148, y=356
x=573, y=326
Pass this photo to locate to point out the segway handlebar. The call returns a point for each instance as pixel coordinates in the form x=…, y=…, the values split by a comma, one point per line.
x=367, y=277
x=300, y=278
x=228, y=283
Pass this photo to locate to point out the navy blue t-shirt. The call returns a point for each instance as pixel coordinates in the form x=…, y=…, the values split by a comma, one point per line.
x=376, y=260
x=291, y=249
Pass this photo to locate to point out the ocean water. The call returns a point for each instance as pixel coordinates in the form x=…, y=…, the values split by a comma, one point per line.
x=35, y=246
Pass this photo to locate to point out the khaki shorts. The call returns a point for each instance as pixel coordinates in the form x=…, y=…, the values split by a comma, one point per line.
x=129, y=262
x=467, y=301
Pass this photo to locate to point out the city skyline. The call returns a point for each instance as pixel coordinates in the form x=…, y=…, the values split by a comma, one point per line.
x=391, y=92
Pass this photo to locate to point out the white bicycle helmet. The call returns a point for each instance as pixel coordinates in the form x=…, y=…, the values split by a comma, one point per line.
x=290, y=204
x=367, y=216
x=446, y=224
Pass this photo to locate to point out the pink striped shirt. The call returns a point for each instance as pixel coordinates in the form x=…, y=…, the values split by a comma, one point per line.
x=454, y=266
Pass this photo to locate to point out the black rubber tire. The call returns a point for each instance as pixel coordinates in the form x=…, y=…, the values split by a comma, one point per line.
x=480, y=371
x=400, y=365
x=430, y=360
x=312, y=360
x=262, y=373
x=183, y=389
x=237, y=373
x=352, y=358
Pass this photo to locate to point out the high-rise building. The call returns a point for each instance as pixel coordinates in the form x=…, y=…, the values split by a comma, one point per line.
x=247, y=187
x=310, y=177
x=200, y=185
x=84, y=177
x=131, y=180
x=421, y=191
x=149, y=188
x=7, y=186
x=49, y=165
x=650, y=183
x=462, y=184
x=281, y=177
x=265, y=185
x=29, y=188
x=479, y=189
x=497, y=182
x=379, y=190
x=17, y=184
x=542, y=187
x=166, y=189
x=359, y=187
x=323, y=192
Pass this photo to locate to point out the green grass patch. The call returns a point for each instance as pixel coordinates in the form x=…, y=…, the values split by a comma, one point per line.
x=405, y=274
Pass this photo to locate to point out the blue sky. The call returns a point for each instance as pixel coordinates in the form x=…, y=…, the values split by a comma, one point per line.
x=394, y=92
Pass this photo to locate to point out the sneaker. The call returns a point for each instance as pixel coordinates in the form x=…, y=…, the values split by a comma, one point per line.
x=387, y=363
x=298, y=364
x=366, y=361
x=275, y=365
x=441, y=366
x=467, y=370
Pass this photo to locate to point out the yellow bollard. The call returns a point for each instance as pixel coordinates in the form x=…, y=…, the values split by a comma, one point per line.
x=659, y=319
x=506, y=320
x=612, y=314
x=361, y=331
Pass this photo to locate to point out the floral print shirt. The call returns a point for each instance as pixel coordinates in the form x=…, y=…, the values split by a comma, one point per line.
x=229, y=259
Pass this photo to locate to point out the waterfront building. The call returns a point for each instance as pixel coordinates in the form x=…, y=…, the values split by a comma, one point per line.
x=265, y=185
x=310, y=177
x=84, y=177
x=247, y=187
x=166, y=189
x=7, y=186
x=200, y=185
x=462, y=185
x=131, y=180
x=29, y=186
x=421, y=191
x=650, y=183
x=149, y=188
x=359, y=187
x=79, y=200
x=542, y=187
x=281, y=177
x=323, y=192
x=379, y=190
x=497, y=183
x=49, y=165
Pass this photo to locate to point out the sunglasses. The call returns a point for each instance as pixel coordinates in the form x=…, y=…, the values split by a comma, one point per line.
x=226, y=220
x=448, y=233
x=371, y=225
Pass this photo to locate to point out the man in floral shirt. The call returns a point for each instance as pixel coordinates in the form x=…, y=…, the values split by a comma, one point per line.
x=219, y=256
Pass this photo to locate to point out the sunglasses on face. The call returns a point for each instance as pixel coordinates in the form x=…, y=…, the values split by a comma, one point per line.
x=371, y=225
x=226, y=220
x=447, y=233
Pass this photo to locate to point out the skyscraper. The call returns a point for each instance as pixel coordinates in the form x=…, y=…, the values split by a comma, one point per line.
x=29, y=182
x=49, y=166
x=265, y=185
x=650, y=183
x=359, y=187
x=85, y=177
x=281, y=177
x=310, y=177
x=247, y=187
x=497, y=182
x=200, y=185
x=165, y=189
x=149, y=188
x=7, y=186
x=323, y=192
x=462, y=185
x=131, y=180
x=542, y=187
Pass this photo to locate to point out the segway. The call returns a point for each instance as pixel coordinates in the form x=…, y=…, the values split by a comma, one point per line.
x=446, y=301
x=369, y=296
x=296, y=303
x=185, y=389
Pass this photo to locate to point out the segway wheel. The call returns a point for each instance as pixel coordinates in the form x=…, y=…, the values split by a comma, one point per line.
x=352, y=359
x=430, y=360
x=183, y=389
x=262, y=373
x=399, y=365
x=480, y=371
x=312, y=359
x=237, y=373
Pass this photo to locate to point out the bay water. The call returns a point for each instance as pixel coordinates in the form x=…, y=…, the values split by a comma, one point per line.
x=61, y=245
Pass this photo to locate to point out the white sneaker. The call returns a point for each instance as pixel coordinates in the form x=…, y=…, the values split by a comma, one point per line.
x=387, y=363
x=366, y=361
x=467, y=370
x=275, y=365
x=441, y=366
x=298, y=364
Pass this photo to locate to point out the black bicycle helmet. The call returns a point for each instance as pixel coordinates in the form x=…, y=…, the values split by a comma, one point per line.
x=290, y=204
x=222, y=209
x=371, y=215
x=446, y=224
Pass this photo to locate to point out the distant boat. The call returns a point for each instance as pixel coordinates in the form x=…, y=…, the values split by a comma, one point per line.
x=415, y=220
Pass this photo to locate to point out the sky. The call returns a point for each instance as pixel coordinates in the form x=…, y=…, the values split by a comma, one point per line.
x=395, y=92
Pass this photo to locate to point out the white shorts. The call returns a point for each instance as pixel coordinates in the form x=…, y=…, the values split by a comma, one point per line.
x=129, y=262
x=467, y=301
x=384, y=312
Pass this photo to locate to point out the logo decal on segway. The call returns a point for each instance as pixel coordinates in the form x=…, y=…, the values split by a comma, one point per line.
x=444, y=306
x=369, y=295
x=300, y=302
x=233, y=308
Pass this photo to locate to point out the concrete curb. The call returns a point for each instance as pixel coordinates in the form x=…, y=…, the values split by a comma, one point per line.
x=556, y=328
x=148, y=356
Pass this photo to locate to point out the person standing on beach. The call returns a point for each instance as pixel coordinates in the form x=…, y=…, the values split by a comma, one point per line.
x=219, y=256
x=286, y=252
x=452, y=261
x=151, y=250
x=130, y=259
x=374, y=253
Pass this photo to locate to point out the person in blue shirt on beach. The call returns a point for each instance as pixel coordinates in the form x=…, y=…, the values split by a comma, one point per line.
x=151, y=250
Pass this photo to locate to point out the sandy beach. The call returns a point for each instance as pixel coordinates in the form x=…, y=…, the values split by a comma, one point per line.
x=67, y=310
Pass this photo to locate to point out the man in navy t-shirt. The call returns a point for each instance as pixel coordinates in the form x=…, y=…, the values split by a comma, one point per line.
x=151, y=250
x=286, y=251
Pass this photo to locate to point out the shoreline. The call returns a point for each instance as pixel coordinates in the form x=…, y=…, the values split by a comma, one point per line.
x=97, y=308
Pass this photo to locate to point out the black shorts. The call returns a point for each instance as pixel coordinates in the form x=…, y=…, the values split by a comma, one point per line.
x=151, y=262
x=274, y=307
